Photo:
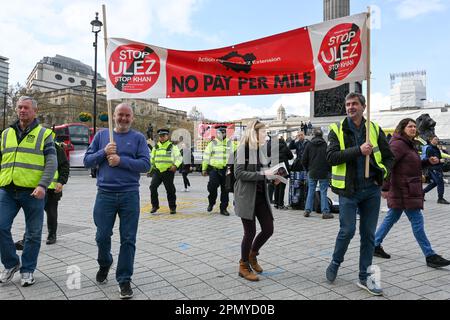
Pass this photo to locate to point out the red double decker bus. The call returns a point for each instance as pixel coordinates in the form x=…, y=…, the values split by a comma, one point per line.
x=76, y=139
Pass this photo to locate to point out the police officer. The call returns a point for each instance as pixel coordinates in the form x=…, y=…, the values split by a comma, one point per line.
x=165, y=160
x=215, y=158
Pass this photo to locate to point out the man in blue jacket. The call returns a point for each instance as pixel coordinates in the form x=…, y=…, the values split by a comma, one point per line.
x=119, y=166
x=436, y=171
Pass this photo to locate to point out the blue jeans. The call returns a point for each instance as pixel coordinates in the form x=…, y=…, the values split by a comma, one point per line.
x=438, y=180
x=107, y=206
x=10, y=204
x=416, y=218
x=367, y=201
x=323, y=184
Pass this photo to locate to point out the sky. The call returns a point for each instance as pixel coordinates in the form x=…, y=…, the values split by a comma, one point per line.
x=408, y=35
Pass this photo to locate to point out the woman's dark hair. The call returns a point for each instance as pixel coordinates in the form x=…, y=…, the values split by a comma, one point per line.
x=402, y=125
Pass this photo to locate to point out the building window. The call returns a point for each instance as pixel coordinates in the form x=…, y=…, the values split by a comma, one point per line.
x=71, y=80
x=83, y=83
x=58, y=76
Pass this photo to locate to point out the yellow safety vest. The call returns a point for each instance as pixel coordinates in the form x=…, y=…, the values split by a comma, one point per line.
x=216, y=153
x=165, y=155
x=339, y=172
x=23, y=164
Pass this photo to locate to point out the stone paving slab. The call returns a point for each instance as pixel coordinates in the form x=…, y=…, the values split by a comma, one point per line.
x=195, y=254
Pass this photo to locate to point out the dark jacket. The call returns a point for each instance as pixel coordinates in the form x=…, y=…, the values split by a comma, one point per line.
x=314, y=159
x=299, y=147
x=433, y=151
x=283, y=155
x=405, y=183
x=63, y=168
x=350, y=155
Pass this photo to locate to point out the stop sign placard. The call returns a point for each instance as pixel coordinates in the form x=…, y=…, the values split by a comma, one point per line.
x=340, y=51
x=133, y=68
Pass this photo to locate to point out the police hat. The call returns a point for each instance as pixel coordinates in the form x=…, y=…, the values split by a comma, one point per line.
x=163, y=131
x=221, y=128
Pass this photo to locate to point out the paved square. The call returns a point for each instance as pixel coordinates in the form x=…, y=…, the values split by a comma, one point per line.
x=194, y=254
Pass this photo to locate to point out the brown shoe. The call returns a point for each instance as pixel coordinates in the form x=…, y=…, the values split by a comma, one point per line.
x=246, y=272
x=327, y=216
x=254, y=262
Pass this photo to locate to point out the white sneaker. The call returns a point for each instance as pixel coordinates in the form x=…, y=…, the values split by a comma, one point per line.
x=186, y=190
x=27, y=279
x=8, y=274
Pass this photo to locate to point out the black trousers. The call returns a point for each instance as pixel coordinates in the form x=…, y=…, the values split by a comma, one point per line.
x=51, y=208
x=185, y=179
x=265, y=218
x=166, y=178
x=216, y=180
x=279, y=194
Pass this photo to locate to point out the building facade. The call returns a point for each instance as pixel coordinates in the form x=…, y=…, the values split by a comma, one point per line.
x=282, y=124
x=59, y=72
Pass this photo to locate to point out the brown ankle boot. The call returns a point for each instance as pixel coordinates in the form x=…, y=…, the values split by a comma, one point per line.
x=254, y=262
x=245, y=271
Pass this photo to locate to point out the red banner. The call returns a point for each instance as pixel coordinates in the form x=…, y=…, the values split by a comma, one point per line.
x=312, y=58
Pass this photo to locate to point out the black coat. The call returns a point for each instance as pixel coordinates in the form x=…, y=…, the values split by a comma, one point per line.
x=314, y=159
x=433, y=151
x=283, y=155
x=350, y=155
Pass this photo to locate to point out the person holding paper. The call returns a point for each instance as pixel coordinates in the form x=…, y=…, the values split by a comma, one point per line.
x=251, y=197
x=346, y=153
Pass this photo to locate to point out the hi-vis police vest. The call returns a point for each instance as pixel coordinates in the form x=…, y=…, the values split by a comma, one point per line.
x=217, y=153
x=23, y=164
x=338, y=172
x=165, y=155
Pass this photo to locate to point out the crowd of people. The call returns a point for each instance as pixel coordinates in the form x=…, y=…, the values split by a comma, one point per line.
x=34, y=170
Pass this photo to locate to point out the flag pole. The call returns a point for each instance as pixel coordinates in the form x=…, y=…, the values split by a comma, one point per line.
x=368, y=91
x=105, y=38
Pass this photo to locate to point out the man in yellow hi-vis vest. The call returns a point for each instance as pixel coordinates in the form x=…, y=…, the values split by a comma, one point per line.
x=215, y=159
x=346, y=153
x=28, y=165
x=165, y=160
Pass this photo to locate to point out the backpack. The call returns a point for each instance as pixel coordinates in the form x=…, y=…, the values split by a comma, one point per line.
x=230, y=179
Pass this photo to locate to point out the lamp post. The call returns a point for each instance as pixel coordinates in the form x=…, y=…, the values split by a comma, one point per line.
x=96, y=28
x=4, y=110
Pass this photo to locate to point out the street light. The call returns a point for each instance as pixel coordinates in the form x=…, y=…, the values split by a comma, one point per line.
x=4, y=110
x=96, y=28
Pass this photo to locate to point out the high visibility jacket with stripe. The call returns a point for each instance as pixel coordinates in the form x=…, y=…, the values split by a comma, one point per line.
x=217, y=153
x=339, y=172
x=164, y=155
x=23, y=164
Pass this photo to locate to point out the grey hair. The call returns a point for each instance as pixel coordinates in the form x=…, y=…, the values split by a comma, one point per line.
x=27, y=98
x=358, y=96
x=317, y=132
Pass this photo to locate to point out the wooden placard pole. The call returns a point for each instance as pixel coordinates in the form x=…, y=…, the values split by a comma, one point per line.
x=105, y=38
x=368, y=91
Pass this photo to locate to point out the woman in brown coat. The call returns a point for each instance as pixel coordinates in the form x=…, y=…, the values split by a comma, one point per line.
x=403, y=192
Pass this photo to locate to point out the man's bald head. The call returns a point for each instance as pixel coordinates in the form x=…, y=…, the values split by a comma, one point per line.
x=123, y=117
